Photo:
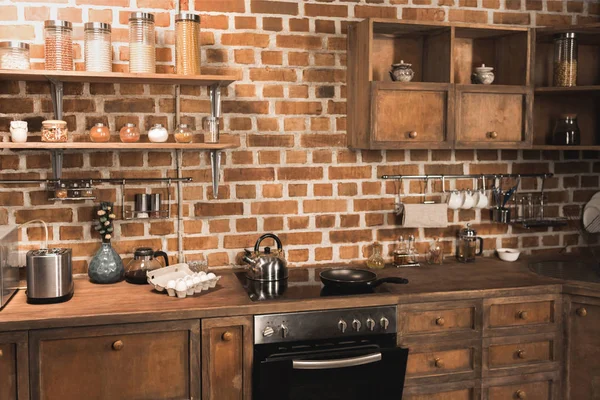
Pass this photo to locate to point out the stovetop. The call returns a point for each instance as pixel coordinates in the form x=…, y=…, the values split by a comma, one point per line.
x=297, y=289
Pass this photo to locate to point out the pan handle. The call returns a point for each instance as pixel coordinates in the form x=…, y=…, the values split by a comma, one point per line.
x=391, y=279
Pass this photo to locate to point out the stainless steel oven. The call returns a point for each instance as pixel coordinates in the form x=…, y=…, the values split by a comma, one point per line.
x=328, y=355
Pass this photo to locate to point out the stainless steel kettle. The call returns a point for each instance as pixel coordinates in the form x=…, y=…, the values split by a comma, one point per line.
x=267, y=265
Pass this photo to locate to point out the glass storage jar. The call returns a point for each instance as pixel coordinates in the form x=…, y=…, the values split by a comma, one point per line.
x=100, y=133
x=98, y=49
x=142, y=57
x=565, y=59
x=183, y=134
x=54, y=131
x=129, y=133
x=566, y=131
x=187, y=44
x=158, y=134
x=58, y=45
x=14, y=55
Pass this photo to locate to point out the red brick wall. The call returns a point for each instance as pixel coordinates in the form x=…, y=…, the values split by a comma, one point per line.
x=292, y=173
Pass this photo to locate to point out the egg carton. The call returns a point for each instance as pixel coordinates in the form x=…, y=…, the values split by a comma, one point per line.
x=179, y=280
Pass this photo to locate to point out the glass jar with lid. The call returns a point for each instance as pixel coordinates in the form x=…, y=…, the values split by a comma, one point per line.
x=565, y=59
x=54, y=131
x=466, y=245
x=58, y=45
x=129, y=133
x=142, y=57
x=566, y=131
x=183, y=134
x=187, y=43
x=14, y=55
x=98, y=49
x=158, y=134
x=100, y=133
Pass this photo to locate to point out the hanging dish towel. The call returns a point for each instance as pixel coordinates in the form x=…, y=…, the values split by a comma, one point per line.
x=425, y=215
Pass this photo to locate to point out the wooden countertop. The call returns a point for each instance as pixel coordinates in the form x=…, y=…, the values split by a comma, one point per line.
x=119, y=303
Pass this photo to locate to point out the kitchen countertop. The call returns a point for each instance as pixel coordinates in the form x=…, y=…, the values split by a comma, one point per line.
x=125, y=303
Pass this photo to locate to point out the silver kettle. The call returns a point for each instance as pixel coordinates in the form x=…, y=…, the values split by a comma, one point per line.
x=267, y=265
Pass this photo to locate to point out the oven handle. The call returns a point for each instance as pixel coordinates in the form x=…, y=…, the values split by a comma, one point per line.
x=340, y=363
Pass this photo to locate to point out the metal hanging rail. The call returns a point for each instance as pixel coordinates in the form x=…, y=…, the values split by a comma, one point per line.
x=469, y=176
x=118, y=181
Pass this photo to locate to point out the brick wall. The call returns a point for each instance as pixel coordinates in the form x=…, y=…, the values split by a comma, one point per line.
x=292, y=173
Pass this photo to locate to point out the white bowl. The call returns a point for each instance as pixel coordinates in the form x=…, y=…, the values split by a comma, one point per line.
x=508, y=254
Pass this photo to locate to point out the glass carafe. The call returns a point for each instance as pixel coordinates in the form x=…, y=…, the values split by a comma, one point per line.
x=144, y=260
x=466, y=245
x=376, y=260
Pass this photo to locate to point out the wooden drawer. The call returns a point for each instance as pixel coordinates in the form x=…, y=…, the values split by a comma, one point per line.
x=440, y=319
x=543, y=386
x=522, y=314
x=444, y=362
x=135, y=361
x=520, y=353
x=465, y=390
x=14, y=382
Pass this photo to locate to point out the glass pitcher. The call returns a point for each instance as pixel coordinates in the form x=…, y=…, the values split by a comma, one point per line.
x=144, y=260
x=466, y=246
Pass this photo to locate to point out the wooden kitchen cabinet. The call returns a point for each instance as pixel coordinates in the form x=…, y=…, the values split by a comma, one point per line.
x=227, y=347
x=541, y=386
x=130, y=361
x=466, y=390
x=14, y=374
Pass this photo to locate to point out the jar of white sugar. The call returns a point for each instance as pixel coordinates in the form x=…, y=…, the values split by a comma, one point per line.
x=98, y=49
x=14, y=55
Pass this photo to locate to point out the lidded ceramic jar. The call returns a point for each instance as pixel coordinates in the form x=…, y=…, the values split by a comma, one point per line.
x=483, y=75
x=158, y=134
x=100, y=133
x=402, y=72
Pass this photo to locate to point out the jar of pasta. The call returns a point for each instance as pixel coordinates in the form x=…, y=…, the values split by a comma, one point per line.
x=58, y=45
x=54, y=131
x=187, y=43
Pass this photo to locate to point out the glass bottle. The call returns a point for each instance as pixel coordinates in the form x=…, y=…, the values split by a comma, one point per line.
x=129, y=133
x=376, y=260
x=400, y=253
x=183, y=134
x=142, y=57
x=58, y=45
x=436, y=253
x=98, y=49
x=14, y=55
x=99, y=133
x=187, y=44
x=566, y=131
x=565, y=59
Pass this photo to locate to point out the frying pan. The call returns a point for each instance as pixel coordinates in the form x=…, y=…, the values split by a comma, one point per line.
x=354, y=279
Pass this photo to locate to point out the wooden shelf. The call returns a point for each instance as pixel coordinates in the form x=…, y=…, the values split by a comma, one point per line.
x=114, y=146
x=117, y=77
x=574, y=148
x=560, y=90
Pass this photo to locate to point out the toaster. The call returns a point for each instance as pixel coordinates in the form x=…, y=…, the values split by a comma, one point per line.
x=9, y=266
x=49, y=276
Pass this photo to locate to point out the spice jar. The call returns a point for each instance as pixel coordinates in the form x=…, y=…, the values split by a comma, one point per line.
x=129, y=133
x=54, y=131
x=187, y=44
x=98, y=49
x=142, y=56
x=14, y=55
x=58, y=45
x=565, y=59
x=100, y=133
x=566, y=131
x=402, y=72
x=183, y=134
x=158, y=134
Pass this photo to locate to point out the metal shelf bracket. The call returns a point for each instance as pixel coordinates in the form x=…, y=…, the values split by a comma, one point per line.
x=214, y=93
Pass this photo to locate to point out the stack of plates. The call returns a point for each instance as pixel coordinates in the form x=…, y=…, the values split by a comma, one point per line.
x=591, y=214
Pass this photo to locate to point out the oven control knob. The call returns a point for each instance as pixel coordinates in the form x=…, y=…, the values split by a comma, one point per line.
x=268, y=331
x=342, y=326
x=284, y=331
x=356, y=325
x=384, y=322
x=370, y=324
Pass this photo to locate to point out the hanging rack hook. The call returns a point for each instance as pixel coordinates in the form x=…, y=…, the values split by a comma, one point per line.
x=443, y=184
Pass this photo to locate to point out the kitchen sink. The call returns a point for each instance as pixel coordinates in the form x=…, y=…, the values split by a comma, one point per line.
x=568, y=270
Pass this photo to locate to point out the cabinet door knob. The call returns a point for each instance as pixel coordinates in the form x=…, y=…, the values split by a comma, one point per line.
x=581, y=311
x=227, y=336
x=118, y=345
x=1, y=353
x=521, y=354
x=520, y=394
x=440, y=321
x=493, y=135
x=439, y=363
x=523, y=315
x=413, y=134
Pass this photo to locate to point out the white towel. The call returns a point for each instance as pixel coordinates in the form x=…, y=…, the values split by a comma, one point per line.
x=425, y=215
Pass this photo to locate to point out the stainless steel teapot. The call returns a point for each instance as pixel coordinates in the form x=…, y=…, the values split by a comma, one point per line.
x=268, y=265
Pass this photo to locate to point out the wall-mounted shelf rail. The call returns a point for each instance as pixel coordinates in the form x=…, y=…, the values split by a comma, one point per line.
x=469, y=176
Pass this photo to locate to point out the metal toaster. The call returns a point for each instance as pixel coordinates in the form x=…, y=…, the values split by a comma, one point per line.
x=9, y=266
x=49, y=276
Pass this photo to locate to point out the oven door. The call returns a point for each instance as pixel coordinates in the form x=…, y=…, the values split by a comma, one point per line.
x=368, y=372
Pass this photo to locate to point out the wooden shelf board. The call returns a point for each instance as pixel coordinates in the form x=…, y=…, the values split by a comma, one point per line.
x=114, y=146
x=574, y=89
x=116, y=77
x=574, y=148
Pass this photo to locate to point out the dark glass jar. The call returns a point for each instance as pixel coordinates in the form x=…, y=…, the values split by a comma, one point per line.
x=566, y=131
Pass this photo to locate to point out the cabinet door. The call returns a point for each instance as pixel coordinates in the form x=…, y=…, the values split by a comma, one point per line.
x=227, y=347
x=410, y=116
x=14, y=383
x=135, y=361
x=488, y=117
x=583, y=352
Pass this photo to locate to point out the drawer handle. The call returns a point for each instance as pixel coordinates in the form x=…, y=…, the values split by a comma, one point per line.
x=520, y=394
x=118, y=345
x=493, y=135
x=1, y=353
x=439, y=321
x=521, y=354
x=523, y=315
x=581, y=311
x=413, y=134
x=439, y=363
x=227, y=336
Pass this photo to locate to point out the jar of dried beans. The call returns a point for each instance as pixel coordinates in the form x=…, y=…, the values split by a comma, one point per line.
x=54, y=131
x=58, y=45
x=142, y=58
x=98, y=50
x=187, y=43
x=565, y=59
x=14, y=55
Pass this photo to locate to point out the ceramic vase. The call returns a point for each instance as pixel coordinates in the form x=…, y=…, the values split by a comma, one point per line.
x=106, y=265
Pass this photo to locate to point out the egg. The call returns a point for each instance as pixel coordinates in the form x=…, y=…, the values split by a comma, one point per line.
x=211, y=276
x=202, y=273
x=181, y=289
x=171, y=284
x=197, y=285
